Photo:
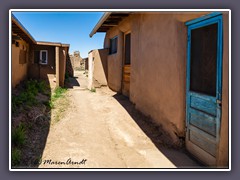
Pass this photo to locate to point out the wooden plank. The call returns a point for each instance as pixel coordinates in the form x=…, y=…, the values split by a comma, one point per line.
x=126, y=78
x=200, y=154
x=199, y=120
x=203, y=105
x=127, y=69
x=202, y=142
x=202, y=133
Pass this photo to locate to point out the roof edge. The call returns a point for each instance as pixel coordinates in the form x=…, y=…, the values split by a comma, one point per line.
x=17, y=22
x=100, y=22
x=52, y=43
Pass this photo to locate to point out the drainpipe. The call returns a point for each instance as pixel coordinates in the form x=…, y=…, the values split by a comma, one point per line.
x=57, y=65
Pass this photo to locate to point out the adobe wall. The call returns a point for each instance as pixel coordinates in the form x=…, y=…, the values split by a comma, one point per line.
x=100, y=73
x=97, y=71
x=158, y=69
x=90, y=70
x=19, y=71
x=63, y=52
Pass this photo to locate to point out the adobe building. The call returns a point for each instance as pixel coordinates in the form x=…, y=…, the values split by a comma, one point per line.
x=174, y=66
x=36, y=59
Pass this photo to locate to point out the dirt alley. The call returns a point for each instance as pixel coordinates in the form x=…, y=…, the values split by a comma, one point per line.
x=98, y=128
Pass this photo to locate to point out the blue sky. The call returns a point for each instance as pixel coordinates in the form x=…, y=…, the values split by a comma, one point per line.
x=66, y=27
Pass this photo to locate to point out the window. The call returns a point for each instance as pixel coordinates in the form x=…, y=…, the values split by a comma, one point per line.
x=43, y=57
x=113, y=45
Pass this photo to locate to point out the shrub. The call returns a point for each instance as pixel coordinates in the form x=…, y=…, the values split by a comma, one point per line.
x=42, y=87
x=31, y=87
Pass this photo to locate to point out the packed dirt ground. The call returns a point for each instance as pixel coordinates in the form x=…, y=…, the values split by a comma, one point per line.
x=102, y=129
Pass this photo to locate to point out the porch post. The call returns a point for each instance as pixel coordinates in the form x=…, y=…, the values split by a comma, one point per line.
x=57, y=65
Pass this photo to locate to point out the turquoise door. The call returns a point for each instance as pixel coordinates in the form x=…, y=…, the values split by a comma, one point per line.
x=204, y=87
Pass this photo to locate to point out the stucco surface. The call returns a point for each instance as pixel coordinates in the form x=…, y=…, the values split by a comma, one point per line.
x=19, y=71
x=100, y=67
x=98, y=72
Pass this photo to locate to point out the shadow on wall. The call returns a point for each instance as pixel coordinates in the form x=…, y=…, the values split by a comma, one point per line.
x=103, y=57
x=177, y=155
x=31, y=118
x=69, y=66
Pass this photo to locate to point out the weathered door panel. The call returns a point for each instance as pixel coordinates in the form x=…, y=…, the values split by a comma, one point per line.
x=204, y=79
x=126, y=65
x=126, y=80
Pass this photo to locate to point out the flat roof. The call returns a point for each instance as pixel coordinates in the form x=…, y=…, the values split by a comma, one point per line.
x=52, y=43
x=108, y=20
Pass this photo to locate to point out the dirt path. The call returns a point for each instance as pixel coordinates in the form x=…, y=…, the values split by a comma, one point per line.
x=98, y=132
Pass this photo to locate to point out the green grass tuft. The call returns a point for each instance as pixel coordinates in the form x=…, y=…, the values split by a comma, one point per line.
x=16, y=156
x=19, y=135
x=93, y=90
x=58, y=92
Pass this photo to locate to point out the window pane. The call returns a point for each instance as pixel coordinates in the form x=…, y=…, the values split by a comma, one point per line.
x=204, y=59
x=44, y=55
x=113, y=45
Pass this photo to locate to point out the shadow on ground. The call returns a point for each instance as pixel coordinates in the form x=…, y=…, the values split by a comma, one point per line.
x=31, y=118
x=160, y=139
x=71, y=82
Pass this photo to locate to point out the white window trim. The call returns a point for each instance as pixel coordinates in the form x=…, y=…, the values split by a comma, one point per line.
x=41, y=51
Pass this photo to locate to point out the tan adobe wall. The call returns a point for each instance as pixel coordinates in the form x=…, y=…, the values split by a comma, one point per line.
x=100, y=67
x=97, y=71
x=19, y=71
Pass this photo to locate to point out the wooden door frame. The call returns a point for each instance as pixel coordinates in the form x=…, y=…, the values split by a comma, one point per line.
x=203, y=21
